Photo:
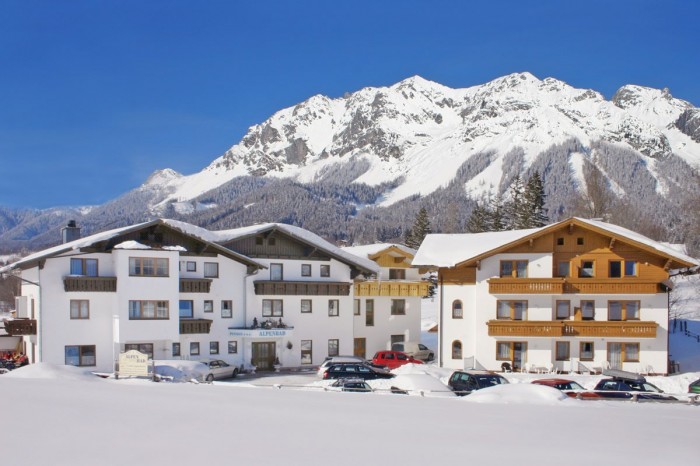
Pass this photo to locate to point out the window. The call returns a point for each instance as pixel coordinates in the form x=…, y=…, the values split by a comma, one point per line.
x=397, y=274
x=563, y=269
x=272, y=308
x=145, y=348
x=457, y=312
x=456, y=349
x=369, y=313
x=194, y=348
x=560, y=241
x=516, y=269
x=80, y=355
x=562, y=351
x=232, y=347
x=618, y=269
x=208, y=306
x=148, y=267
x=623, y=310
x=622, y=352
x=333, y=346
x=587, y=310
x=276, y=272
x=515, y=351
x=325, y=270
x=258, y=240
x=630, y=268
x=191, y=266
x=306, y=351
x=86, y=267
x=333, y=308
x=186, y=309
x=563, y=309
x=397, y=339
x=271, y=241
x=176, y=349
x=587, y=269
x=306, y=306
x=586, y=351
x=213, y=347
x=211, y=270
x=226, y=309
x=398, y=307
x=79, y=309
x=148, y=310
x=356, y=307
x=615, y=269
x=579, y=241
x=511, y=310
x=305, y=270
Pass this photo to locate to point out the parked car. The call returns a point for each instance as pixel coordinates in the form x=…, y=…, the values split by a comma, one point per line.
x=356, y=359
x=218, y=369
x=415, y=349
x=465, y=382
x=694, y=387
x=624, y=386
x=352, y=385
x=394, y=359
x=569, y=387
x=344, y=370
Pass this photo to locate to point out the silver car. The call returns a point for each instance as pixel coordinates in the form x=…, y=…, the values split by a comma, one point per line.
x=218, y=369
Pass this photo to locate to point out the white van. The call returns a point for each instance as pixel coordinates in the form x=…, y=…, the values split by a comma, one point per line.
x=415, y=349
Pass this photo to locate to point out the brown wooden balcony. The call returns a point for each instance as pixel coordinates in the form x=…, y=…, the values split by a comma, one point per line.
x=90, y=284
x=287, y=288
x=571, y=328
x=190, y=326
x=571, y=286
x=19, y=327
x=391, y=288
x=195, y=285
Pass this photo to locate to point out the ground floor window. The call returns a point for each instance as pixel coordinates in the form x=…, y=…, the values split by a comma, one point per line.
x=622, y=352
x=333, y=347
x=80, y=355
x=306, y=351
x=456, y=349
x=562, y=350
x=586, y=351
x=194, y=348
x=513, y=351
x=397, y=339
x=213, y=347
x=232, y=347
x=176, y=349
x=145, y=348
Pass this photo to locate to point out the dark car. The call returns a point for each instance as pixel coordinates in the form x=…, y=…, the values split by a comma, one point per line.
x=356, y=371
x=628, y=387
x=465, y=382
x=352, y=385
x=694, y=387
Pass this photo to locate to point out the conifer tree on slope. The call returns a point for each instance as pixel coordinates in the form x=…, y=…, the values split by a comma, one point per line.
x=534, y=201
x=421, y=228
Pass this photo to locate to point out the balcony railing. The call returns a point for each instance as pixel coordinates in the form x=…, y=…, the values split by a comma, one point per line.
x=391, y=288
x=19, y=327
x=190, y=326
x=571, y=328
x=195, y=285
x=90, y=284
x=571, y=285
x=270, y=287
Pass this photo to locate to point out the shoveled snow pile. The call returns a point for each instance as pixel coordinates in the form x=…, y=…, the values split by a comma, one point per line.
x=45, y=370
x=180, y=370
x=518, y=393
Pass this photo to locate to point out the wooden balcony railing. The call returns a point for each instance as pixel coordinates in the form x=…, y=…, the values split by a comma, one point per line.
x=391, y=288
x=190, y=326
x=270, y=287
x=18, y=327
x=195, y=285
x=571, y=285
x=96, y=284
x=571, y=328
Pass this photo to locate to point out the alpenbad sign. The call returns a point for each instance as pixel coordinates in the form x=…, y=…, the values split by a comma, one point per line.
x=133, y=364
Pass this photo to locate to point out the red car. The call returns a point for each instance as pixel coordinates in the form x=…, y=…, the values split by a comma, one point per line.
x=569, y=387
x=394, y=359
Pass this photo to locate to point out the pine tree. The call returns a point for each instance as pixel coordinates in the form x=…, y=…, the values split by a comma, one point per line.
x=515, y=210
x=534, y=198
x=421, y=228
x=478, y=220
x=496, y=220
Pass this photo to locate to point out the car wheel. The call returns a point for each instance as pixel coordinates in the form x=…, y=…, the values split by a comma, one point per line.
x=210, y=377
x=235, y=373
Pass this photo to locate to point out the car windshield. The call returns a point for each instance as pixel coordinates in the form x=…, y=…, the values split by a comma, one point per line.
x=489, y=380
x=569, y=386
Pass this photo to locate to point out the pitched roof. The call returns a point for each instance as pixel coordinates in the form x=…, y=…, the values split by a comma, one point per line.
x=370, y=250
x=441, y=250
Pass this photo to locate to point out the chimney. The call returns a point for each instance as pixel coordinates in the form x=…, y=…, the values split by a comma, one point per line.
x=71, y=232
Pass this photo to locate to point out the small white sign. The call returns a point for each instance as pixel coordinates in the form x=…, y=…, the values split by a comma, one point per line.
x=133, y=364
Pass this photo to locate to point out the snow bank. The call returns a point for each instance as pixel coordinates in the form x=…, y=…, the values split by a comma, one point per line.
x=181, y=370
x=46, y=370
x=519, y=393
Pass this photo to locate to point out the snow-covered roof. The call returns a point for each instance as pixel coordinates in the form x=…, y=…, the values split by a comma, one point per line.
x=441, y=250
x=185, y=228
x=368, y=250
x=305, y=236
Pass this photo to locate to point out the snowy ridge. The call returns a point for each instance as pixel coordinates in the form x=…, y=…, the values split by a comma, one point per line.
x=422, y=132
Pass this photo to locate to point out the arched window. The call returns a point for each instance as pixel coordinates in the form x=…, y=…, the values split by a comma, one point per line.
x=457, y=309
x=456, y=349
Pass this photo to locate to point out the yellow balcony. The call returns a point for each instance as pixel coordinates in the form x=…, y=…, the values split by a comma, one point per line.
x=571, y=286
x=391, y=288
x=526, y=285
x=571, y=328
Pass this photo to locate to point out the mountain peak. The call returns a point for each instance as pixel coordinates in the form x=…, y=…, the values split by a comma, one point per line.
x=162, y=177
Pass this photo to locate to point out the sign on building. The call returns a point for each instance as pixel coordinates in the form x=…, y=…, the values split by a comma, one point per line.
x=133, y=364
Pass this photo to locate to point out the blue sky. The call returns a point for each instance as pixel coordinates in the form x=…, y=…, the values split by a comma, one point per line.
x=95, y=95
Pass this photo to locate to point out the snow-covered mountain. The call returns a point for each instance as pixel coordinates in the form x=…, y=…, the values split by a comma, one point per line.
x=420, y=132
